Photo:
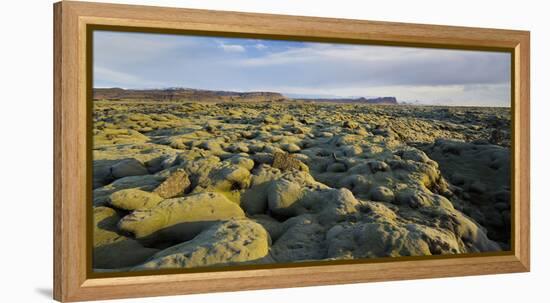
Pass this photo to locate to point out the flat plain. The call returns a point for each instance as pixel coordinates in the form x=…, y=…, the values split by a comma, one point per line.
x=195, y=184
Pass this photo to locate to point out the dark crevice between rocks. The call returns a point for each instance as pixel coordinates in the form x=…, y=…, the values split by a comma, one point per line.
x=484, y=205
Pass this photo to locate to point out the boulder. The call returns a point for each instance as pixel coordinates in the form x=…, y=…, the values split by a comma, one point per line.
x=335, y=205
x=102, y=195
x=303, y=240
x=175, y=185
x=269, y=120
x=382, y=194
x=284, y=161
x=350, y=124
x=180, y=219
x=376, y=166
x=111, y=249
x=282, y=194
x=133, y=199
x=128, y=167
x=337, y=167
x=377, y=240
x=414, y=198
x=228, y=177
x=116, y=136
x=231, y=242
x=414, y=155
x=291, y=148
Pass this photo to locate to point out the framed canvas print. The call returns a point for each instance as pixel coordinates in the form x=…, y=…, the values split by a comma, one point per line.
x=202, y=151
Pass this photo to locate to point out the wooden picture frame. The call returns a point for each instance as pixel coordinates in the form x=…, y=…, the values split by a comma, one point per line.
x=72, y=21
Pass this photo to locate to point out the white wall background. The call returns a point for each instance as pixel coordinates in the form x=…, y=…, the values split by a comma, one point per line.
x=26, y=149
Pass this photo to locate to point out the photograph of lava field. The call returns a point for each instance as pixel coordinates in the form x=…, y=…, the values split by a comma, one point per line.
x=217, y=151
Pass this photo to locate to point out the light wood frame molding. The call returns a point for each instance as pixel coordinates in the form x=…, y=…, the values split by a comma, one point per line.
x=71, y=19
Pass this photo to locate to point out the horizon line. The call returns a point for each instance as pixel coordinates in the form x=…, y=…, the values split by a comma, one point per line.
x=286, y=95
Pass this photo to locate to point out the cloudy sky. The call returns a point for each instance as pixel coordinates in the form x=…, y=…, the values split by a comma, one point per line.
x=301, y=69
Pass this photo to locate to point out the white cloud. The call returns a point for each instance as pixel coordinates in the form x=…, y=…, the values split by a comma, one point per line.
x=333, y=65
x=260, y=46
x=104, y=77
x=231, y=48
x=317, y=52
x=114, y=47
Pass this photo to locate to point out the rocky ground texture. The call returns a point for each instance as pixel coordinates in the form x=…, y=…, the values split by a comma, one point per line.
x=180, y=185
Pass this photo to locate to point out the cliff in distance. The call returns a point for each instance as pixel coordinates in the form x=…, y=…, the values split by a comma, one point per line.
x=199, y=95
x=185, y=94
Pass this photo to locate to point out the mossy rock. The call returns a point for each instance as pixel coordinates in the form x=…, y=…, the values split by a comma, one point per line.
x=102, y=195
x=284, y=161
x=175, y=185
x=303, y=240
x=382, y=194
x=111, y=249
x=231, y=242
x=134, y=199
x=128, y=167
x=180, y=218
x=110, y=136
x=281, y=196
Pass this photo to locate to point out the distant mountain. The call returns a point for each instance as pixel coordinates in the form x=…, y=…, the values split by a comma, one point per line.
x=199, y=95
x=185, y=94
x=362, y=100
